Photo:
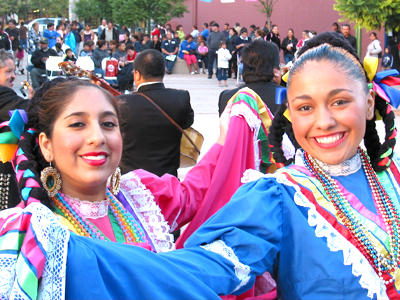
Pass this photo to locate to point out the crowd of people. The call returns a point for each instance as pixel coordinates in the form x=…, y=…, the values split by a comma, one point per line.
x=92, y=190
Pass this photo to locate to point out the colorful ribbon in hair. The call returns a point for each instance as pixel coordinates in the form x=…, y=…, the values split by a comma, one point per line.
x=383, y=83
x=9, y=140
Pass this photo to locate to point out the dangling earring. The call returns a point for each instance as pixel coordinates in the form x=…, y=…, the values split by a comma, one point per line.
x=51, y=180
x=115, y=181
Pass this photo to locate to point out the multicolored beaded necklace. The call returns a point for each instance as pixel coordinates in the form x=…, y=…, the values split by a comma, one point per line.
x=131, y=229
x=382, y=263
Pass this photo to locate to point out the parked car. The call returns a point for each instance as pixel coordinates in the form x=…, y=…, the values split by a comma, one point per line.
x=43, y=23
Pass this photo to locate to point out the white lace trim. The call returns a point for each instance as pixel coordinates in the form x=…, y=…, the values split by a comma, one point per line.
x=88, y=209
x=336, y=242
x=251, y=175
x=242, y=110
x=149, y=213
x=53, y=237
x=348, y=167
x=242, y=271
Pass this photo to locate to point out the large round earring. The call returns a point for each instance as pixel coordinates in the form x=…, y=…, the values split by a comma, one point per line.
x=115, y=181
x=51, y=180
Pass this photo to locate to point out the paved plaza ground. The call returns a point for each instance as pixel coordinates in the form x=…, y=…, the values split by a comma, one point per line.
x=204, y=95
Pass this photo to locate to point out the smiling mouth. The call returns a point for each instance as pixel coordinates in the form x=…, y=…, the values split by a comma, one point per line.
x=98, y=157
x=329, y=139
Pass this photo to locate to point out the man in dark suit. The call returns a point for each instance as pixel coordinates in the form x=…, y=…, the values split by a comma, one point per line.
x=151, y=141
x=261, y=73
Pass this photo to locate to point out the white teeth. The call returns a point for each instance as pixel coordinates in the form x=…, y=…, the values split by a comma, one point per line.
x=329, y=139
x=100, y=157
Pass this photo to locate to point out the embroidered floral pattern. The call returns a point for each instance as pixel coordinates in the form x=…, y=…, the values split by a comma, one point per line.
x=242, y=271
x=149, y=213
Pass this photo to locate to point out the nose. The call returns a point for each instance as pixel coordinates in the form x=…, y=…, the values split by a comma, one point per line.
x=96, y=135
x=325, y=118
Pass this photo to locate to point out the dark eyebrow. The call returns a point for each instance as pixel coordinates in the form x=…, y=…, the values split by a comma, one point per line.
x=84, y=114
x=330, y=94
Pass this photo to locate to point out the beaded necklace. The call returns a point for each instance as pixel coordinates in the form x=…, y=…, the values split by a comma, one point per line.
x=131, y=229
x=364, y=239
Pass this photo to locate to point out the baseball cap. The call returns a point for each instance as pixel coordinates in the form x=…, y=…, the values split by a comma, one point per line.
x=44, y=41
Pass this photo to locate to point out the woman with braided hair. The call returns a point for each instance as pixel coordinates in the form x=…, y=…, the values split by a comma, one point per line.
x=325, y=227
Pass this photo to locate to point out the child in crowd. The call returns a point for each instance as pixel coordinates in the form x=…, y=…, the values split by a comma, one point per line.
x=202, y=52
x=20, y=60
x=70, y=56
x=223, y=63
x=387, y=59
x=58, y=49
x=86, y=50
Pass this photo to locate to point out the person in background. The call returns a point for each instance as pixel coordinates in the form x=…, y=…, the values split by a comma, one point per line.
x=202, y=54
x=38, y=60
x=156, y=31
x=181, y=34
x=23, y=36
x=76, y=31
x=176, y=37
x=86, y=50
x=156, y=43
x=146, y=43
x=274, y=37
x=13, y=33
x=265, y=29
x=387, y=58
x=120, y=52
x=34, y=37
x=130, y=53
x=224, y=56
x=336, y=28
x=188, y=53
x=70, y=38
x=169, y=49
x=127, y=40
x=5, y=42
x=109, y=33
x=98, y=55
x=122, y=32
x=60, y=28
x=102, y=26
x=252, y=34
x=237, y=27
x=351, y=39
x=135, y=42
x=306, y=35
x=374, y=48
x=205, y=32
x=258, y=34
x=194, y=32
x=87, y=34
x=60, y=52
x=20, y=60
x=51, y=35
x=112, y=47
x=289, y=46
x=230, y=45
x=242, y=40
x=70, y=56
x=213, y=42
x=63, y=46
x=226, y=30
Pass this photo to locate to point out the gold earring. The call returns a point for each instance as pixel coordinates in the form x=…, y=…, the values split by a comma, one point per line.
x=115, y=181
x=51, y=180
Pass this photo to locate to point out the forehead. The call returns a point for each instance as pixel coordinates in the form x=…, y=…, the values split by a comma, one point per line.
x=8, y=63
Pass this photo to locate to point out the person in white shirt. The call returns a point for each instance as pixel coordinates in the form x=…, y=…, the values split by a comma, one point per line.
x=224, y=56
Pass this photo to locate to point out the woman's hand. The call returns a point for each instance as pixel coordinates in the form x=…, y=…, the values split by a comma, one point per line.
x=224, y=121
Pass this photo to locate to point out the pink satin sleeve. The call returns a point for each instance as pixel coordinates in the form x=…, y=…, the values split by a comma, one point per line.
x=179, y=201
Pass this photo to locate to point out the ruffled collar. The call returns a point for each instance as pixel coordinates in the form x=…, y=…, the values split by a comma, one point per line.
x=88, y=209
x=347, y=167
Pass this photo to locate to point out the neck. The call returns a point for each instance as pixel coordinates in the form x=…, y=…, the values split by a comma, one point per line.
x=91, y=194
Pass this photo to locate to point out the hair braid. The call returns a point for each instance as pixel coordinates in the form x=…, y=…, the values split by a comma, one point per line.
x=381, y=154
x=278, y=127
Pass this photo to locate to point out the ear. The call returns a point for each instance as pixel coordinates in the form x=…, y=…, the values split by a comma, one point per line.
x=136, y=76
x=45, y=147
x=370, y=104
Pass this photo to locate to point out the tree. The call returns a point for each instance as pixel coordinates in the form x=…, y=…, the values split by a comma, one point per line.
x=140, y=10
x=87, y=9
x=370, y=14
x=266, y=7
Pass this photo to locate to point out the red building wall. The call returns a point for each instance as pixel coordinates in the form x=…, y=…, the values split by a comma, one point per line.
x=299, y=15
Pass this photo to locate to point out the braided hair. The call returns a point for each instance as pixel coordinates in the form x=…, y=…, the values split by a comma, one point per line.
x=339, y=51
x=44, y=109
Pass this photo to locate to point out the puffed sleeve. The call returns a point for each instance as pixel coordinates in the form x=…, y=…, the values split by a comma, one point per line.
x=179, y=201
x=238, y=243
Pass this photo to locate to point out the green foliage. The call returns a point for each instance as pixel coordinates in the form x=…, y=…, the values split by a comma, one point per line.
x=49, y=8
x=371, y=14
x=140, y=10
x=93, y=9
x=266, y=7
